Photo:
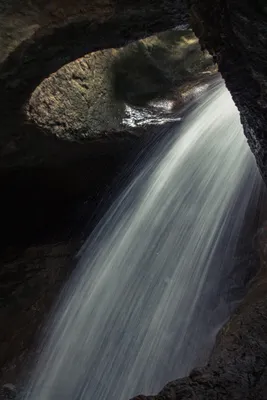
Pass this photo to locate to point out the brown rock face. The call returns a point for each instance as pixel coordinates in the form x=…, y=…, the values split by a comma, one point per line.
x=88, y=98
x=37, y=38
x=40, y=37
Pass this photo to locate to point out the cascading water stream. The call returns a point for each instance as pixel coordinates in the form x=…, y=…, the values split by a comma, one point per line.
x=149, y=292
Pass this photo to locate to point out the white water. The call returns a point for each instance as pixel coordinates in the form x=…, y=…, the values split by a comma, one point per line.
x=149, y=292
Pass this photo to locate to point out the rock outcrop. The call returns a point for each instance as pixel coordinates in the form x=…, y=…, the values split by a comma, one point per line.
x=88, y=98
x=235, y=33
x=37, y=38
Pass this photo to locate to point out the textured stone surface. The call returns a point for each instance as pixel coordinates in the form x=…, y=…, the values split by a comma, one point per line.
x=235, y=32
x=86, y=99
x=237, y=369
x=39, y=37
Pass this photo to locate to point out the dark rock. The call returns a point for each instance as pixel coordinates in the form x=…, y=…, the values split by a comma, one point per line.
x=235, y=33
x=237, y=369
x=9, y=391
x=37, y=38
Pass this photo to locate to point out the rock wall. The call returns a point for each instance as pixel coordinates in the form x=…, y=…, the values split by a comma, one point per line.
x=39, y=37
x=235, y=33
x=237, y=369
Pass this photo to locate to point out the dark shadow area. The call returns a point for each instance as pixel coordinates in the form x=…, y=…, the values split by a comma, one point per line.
x=47, y=213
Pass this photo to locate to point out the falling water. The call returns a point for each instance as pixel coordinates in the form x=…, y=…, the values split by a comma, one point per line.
x=150, y=289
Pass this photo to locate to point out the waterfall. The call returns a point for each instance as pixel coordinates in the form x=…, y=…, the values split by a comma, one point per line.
x=149, y=292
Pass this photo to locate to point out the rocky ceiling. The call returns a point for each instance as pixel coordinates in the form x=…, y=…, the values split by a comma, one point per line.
x=39, y=37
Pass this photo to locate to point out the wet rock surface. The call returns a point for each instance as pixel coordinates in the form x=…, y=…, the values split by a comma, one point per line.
x=88, y=98
x=237, y=368
x=235, y=32
x=40, y=37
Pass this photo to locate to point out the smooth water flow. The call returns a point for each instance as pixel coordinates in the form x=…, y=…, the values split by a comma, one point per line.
x=151, y=289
